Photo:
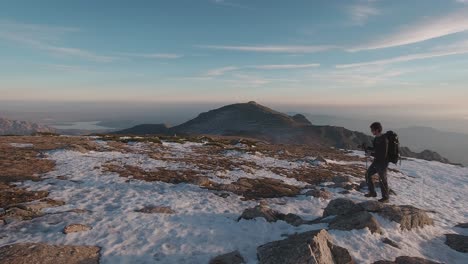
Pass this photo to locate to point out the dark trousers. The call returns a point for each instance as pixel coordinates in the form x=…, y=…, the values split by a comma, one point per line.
x=381, y=169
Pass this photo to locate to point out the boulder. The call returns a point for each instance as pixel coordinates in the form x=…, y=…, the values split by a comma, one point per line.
x=309, y=247
x=407, y=260
x=341, y=206
x=407, y=216
x=390, y=242
x=457, y=242
x=341, y=179
x=230, y=258
x=322, y=193
x=26, y=253
x=462, y=225
x=271, y=215
x=356, y=220
x=75, y=228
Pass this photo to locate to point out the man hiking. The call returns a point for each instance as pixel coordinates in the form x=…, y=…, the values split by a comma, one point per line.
x=380, y=164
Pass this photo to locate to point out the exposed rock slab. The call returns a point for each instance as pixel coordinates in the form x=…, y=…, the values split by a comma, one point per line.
x=462, y=225
x=357, y=220
x=309, y=247
x=407, y=260
x=230, y=258
x=271, y=215
x=156, y=210
x=320, y=193
x=390, y=242
x=457, y=242
x=38, y=253
x=75, y=228
x=341, y=206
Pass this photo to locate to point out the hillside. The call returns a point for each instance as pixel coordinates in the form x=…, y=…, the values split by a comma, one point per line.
x=256, y=121
x=15, y=127
x=127, y=199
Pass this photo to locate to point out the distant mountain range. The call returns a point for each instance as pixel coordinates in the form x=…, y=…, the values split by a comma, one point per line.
x=454, y=146
x=257, y=121
x=15, y=127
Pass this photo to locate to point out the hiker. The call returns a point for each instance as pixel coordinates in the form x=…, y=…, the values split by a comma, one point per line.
x=379, y=151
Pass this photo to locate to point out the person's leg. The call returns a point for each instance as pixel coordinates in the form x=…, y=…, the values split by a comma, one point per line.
x=384, y=183
x=370, y=184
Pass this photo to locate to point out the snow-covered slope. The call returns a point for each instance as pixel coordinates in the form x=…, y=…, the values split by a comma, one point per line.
x=205, y=224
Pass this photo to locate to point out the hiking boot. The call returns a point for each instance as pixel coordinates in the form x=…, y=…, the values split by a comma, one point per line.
x=370, y=195
x=384, y=200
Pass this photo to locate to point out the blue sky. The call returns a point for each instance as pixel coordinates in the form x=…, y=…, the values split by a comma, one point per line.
x=360, y=52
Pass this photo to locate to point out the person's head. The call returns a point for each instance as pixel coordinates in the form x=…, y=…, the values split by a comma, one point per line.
x=376, y=128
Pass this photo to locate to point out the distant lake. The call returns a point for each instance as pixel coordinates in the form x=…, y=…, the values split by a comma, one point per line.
x=91, y=125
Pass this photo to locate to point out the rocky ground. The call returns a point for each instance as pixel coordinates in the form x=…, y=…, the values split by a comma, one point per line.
x=113, y=199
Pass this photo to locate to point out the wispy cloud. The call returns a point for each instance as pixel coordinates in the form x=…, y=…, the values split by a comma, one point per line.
x=42, y=37
x=429, y=28
x=284, y=66
x=153, y=55
x=229, y=4
x=361, y=12
x=273, y=48
x=223, y=70
x=453, y=49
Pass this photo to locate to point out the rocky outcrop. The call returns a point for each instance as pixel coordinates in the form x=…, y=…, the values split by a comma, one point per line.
x=341, y=206
x=230, y=258
x=407, y=260
x=407, y=216
x=258, y=188
x=356, y=220
x=271, y=215
x=462, y=225
x=319, y=193
x=26, y=253
x=390, y=242
x=75, y=228
x=309, y=247
x=425, y=155
x=350, y=215
x=457, y=242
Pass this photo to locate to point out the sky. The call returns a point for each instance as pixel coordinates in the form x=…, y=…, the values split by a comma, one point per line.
x=408, y=54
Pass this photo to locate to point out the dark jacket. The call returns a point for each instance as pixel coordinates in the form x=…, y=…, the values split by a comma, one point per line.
x=380, y=150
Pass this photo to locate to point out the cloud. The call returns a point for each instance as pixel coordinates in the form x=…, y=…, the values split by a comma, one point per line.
x=429, y=28
x=361, y=12
x=154, y=55
x=221, y=71
x=41, y=37
x=462, y=1
x=285, y=66
x=273, y=48
x=454, y=49
x=229, y=4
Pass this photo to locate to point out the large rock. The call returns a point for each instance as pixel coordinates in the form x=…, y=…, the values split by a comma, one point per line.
x=407, y=260
x=319, y=193
x=357, y=220
x=462, y=225
x=271, y=215
x=156, y=210
x=457, y=242
x=38, y=253
x=75, y=228
x=229, y=258
x=341, y=206
x=309, y=247
x=407, y=216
